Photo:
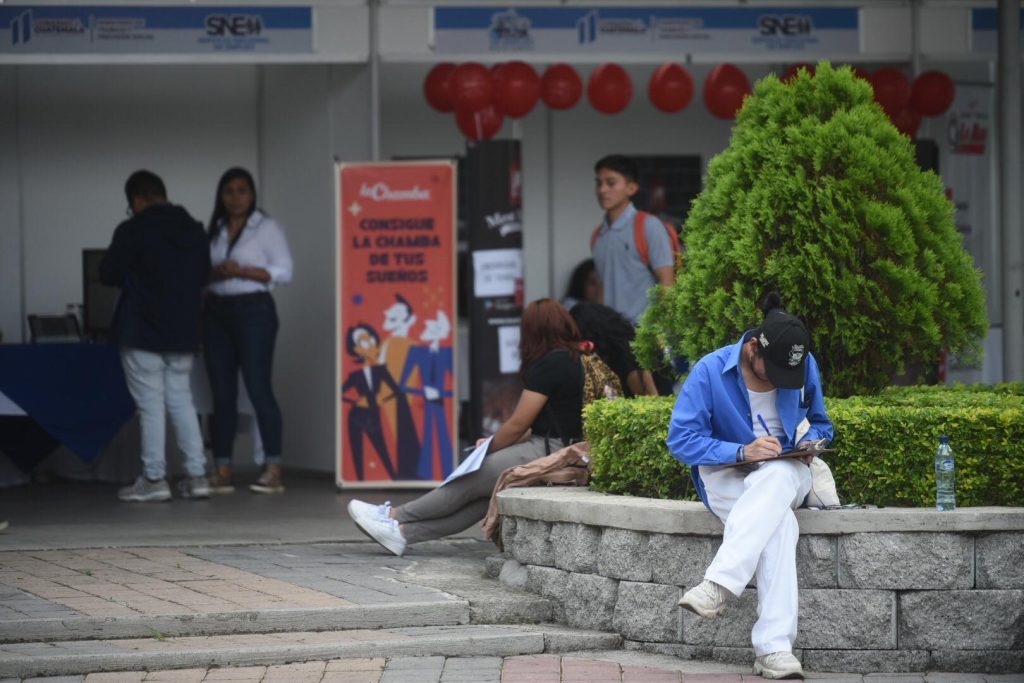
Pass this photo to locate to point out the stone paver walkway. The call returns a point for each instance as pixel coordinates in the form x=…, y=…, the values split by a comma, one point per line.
x=52, y=589
x=109, y=582
x=576, y=668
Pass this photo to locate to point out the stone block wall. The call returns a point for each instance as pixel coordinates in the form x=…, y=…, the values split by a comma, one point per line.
x=888, y=590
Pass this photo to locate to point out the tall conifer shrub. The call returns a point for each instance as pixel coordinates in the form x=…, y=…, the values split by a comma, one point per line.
x=819, y=197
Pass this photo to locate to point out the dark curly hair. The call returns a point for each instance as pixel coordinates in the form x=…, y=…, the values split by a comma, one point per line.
x=611, y=334
x=578, y=282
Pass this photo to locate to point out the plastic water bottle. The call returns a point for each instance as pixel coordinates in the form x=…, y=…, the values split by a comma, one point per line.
x=945, y=476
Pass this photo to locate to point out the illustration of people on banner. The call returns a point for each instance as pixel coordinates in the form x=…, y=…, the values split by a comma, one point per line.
x=379, y=412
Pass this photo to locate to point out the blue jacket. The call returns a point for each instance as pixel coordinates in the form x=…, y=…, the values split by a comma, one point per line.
x=712, y=419
x=160, y=258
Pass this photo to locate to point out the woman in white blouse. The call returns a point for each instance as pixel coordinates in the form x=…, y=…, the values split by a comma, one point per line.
x=249, y=255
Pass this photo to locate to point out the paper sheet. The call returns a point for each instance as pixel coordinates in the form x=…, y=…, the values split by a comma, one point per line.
x=471, y=463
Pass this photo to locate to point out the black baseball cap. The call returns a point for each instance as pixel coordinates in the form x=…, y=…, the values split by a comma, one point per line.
x=784, y=344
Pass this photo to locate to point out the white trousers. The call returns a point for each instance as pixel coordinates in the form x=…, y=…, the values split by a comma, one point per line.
x=760, y=536
x=159, y=383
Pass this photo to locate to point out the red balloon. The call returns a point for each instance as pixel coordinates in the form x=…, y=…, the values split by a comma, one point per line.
x=481, y=124
x=437, y=87
x=862, y=73
x=791, y=71
x=609, y=88
x=472, y=86
x=892, y=90
x=932, y=93
x=670, y=88
x=724, y=90
x=561, y=86
x=517, y=89
x=907, y=121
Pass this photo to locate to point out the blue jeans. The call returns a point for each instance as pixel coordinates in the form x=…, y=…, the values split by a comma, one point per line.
x=160, y=385
x=239, y=333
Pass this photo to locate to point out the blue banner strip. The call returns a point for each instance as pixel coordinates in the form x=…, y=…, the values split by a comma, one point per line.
x=988, y=20
x=710, y=17
x=273, y=18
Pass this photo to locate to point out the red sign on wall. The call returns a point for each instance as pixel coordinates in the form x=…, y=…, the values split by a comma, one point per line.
x=396, y=323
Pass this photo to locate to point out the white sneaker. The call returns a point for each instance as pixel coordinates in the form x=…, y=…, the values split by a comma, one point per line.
x=145, y=491
x=706, y=599
x=382, y=512
x=384, y=530
x=778, y=665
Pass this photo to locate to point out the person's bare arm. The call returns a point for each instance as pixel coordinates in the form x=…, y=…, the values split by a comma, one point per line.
x=666, y=276
x=518, y=425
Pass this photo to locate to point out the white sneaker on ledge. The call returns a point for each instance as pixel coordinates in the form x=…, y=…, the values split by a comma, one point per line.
x=778, y=665
x=706, y=599
x=380, y=528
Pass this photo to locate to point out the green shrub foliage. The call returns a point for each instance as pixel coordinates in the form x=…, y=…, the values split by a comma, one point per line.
x=885, y=446
x=819, y=197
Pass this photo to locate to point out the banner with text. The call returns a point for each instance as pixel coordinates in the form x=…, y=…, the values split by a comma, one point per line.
x=54, y=29
x=985, y=30
x=396, y=323
x=796, y=32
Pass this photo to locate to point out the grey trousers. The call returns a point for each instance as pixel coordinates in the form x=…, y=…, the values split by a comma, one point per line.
x=459, y=505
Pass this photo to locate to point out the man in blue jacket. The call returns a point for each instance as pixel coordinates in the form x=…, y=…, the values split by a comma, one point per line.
x=740, y=408
x=160, y=258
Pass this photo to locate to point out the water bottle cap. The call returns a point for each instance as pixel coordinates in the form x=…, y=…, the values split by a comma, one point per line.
x=943, y=439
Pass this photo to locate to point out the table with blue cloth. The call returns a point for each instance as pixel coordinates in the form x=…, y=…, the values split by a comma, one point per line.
x=71, y=394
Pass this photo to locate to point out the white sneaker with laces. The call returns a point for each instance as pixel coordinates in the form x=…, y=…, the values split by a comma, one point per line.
x=706, y=599
x=778, y=665
x=379, y=511
x=384, y=530
x=145, y=491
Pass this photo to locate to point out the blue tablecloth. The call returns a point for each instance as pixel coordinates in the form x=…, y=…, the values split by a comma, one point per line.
x=76, y=392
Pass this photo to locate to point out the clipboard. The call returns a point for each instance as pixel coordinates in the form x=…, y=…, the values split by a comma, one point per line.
x=795, y=453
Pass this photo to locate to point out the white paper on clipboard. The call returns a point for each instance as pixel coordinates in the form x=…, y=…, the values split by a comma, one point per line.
x=472, y=462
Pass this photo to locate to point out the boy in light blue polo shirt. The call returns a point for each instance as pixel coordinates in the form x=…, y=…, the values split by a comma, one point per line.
x=625, y=275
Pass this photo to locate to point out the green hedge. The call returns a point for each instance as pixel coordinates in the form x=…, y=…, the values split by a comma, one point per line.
x=628, y=452
x=885, y=446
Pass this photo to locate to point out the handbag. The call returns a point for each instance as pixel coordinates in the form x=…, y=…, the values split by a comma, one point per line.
x=823, y=492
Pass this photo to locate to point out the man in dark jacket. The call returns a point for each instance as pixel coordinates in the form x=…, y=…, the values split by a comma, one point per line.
x=160, y=259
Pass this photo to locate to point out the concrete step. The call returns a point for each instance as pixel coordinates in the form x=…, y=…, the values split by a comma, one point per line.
x=69, y=658
x=494, y=608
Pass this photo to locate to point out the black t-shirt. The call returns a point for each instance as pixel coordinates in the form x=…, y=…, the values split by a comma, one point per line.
x=560, y=378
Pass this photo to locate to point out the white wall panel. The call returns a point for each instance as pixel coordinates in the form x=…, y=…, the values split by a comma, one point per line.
x=84, y=129
x=311, y=114
x=945, y=31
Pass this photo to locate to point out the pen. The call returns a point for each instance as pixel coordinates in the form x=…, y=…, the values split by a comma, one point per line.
x=764, y=424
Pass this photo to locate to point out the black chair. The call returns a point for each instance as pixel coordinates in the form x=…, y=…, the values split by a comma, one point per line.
x=54, y=329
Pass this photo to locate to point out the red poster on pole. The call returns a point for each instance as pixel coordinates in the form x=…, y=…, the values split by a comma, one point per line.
x=396, y=324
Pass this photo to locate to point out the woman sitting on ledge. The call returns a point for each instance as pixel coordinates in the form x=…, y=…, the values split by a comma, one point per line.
x=547, y=417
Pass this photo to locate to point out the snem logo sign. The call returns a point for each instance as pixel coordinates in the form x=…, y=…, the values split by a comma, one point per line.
x=234, y=25
x=381, y=192
x=785, y=25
